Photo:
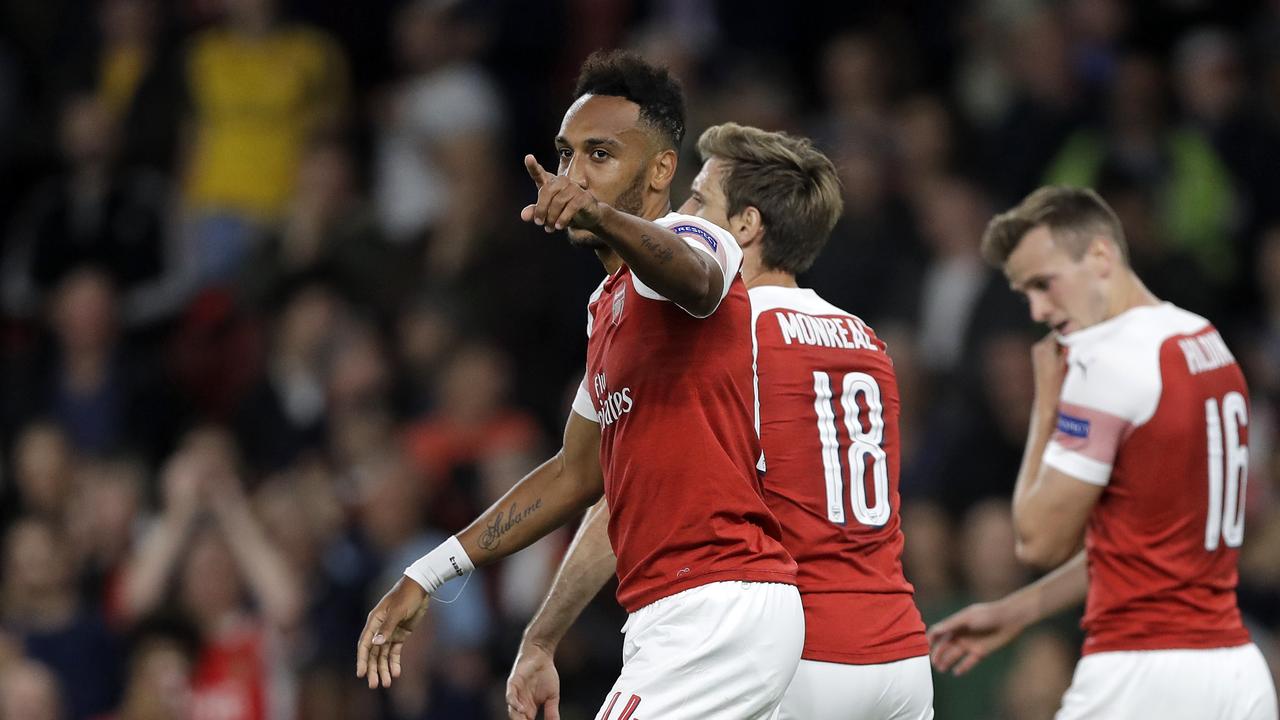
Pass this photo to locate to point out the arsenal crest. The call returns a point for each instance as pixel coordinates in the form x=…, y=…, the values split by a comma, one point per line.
x=618, y=301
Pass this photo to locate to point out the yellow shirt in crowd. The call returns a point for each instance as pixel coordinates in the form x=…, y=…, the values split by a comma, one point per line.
x=256, y=102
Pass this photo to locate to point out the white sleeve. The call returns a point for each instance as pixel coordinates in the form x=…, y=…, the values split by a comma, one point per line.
x=706, y=237
x=1103, y=399
x=582, y=399
x=582, y=403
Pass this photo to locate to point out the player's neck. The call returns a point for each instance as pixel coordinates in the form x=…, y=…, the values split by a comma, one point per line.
x=656, y=206
x=609, y=259
x=759, y=277
x=1130, y=293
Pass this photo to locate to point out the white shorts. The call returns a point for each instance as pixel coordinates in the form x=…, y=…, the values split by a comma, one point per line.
x=901, y=690
x=721, y=651
x=1218, y=684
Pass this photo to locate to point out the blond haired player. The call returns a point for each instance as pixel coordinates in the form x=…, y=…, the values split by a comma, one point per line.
x=1138, y=450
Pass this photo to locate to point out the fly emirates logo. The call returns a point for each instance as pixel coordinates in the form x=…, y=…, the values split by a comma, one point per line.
x=610, y=405
x=846, y=333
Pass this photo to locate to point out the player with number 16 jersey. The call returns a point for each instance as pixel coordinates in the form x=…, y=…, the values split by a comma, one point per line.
x=1137, y=449
x=1154, y=408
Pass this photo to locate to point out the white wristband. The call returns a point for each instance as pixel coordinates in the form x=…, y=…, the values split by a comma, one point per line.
x=446, y=562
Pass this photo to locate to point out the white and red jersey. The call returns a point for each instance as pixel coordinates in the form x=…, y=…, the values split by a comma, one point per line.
x=674, y=397
x=1155, y=409
x=829, y=428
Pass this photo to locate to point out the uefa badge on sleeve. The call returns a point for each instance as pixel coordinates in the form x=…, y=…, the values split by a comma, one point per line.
x=618, y=301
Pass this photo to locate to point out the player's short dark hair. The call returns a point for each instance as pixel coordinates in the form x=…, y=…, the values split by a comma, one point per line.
x=1074, y=217
x=793, y=185
x=624, y=74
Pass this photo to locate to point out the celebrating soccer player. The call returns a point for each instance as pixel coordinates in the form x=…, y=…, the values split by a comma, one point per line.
x=663, y=427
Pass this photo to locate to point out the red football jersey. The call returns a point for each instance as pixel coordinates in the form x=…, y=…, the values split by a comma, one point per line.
x=1155, y=408
x=829, y=428
x=674, y=398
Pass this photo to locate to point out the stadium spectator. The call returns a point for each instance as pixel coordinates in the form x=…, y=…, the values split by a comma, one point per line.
x=104, y=519
x=97, y=212
x=206, y=556
x=41, y=607
x=103, y=392
x=43, y=464
x=129, y=62
x=284, y=414
x=260, y=88
x=329, y=230
x=438, y=129
x=161, y=664
x=1137, y=142
x=473, y=421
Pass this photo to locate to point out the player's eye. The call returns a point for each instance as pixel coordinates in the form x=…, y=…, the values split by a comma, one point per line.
x=599, y=154
x=565, y=153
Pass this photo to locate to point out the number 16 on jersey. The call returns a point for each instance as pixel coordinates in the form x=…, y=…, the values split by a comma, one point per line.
x=1229, y=454
x=868, y=508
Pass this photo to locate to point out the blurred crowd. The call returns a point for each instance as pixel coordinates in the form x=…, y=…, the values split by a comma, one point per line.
x=270, y=327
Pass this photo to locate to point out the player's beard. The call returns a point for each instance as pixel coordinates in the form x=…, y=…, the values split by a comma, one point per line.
x=629, y=201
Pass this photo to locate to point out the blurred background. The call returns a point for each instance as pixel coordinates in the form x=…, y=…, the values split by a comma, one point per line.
x=271, y=328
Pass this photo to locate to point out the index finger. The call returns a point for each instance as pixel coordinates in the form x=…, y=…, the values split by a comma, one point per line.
x=366, y=641
x=539, y=175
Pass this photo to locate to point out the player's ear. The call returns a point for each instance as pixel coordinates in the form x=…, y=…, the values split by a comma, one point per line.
x=1103, y=255
x=747, y=226
x=662, y=170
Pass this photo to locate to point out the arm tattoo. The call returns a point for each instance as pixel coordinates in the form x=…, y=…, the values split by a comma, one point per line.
x=503, y=523
x=663, y=254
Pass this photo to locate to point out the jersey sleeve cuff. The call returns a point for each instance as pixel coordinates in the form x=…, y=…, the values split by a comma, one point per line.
x=582, y=403
x=1078, y=466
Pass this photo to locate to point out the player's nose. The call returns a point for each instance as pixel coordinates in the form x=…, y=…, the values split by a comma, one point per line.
x=576, y=171
x=1041, y=308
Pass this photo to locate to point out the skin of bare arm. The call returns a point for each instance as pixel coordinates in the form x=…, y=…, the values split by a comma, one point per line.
x=586, y=567
x=962, y=640
x=1050, y=507
x=542, y=501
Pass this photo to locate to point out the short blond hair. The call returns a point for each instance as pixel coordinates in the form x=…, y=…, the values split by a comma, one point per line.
x=1074, y=217
x=793, y=185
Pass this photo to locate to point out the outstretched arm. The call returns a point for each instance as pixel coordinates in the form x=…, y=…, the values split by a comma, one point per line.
x=959, y=642
x=660, y=258
x=587, y=566
x=542, y=501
